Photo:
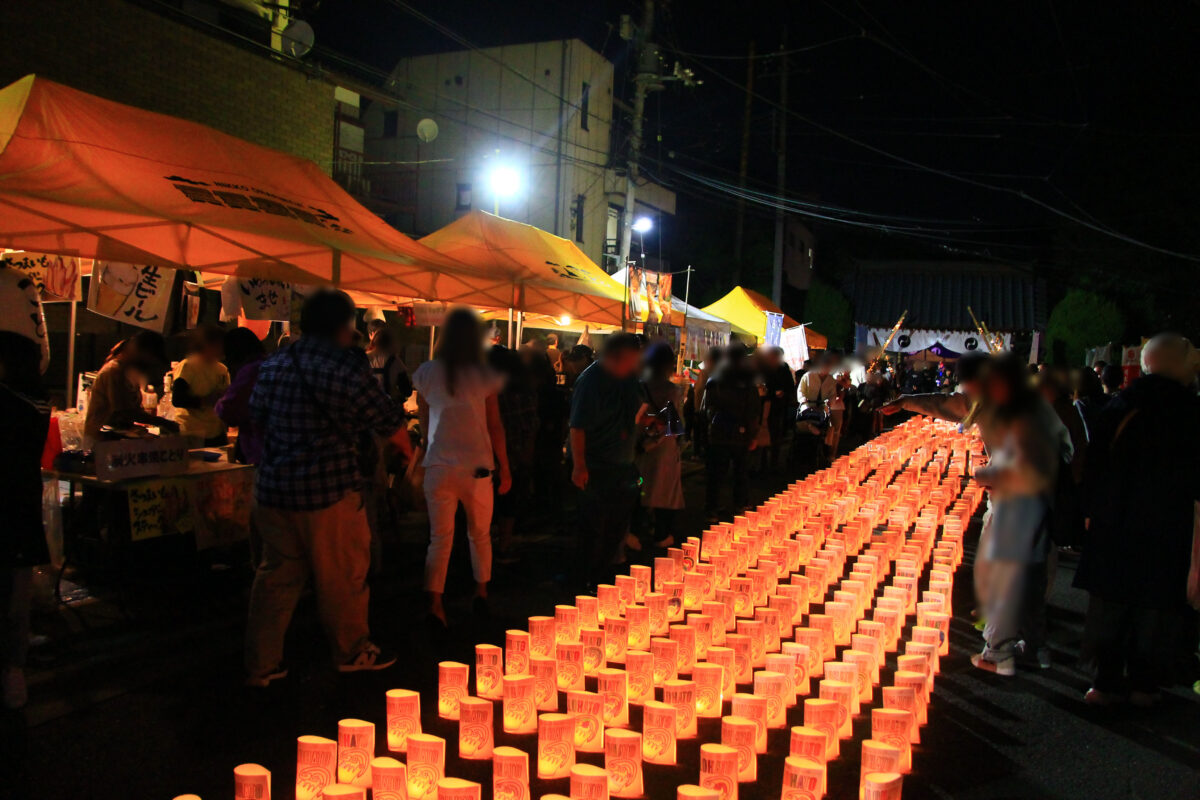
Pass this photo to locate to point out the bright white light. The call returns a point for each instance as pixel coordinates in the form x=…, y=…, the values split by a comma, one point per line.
x=643, y=224
x=504, y=181
x=564, y=320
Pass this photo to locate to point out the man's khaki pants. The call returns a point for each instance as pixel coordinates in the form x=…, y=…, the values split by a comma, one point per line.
x=333, y=546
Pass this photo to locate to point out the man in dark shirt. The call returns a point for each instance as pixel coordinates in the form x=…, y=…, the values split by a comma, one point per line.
x=734, y=410
x=604, y=411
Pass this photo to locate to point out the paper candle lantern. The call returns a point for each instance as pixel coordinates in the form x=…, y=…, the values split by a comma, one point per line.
x=588, y=782
x=252, y=782
x=316, y=766
x=841, y=617
x=722, y=613
x=666, y=660
x=674, y=592
x=568, y=663
x=587, y=708
x=754, y=708
x=452, y=687
x=914, y=662
x=510, y=774
x=920, y=645
x=623, y=763
x=638, y=619
x=656, y=607
x=187, y=797
x=593, y=650
x=798, y=597
x=342, y=791
x=403, y=718
x=814, y=640
x=702, y=624
x=862, y=643
x=475, y=728
x=741, y=734
x=824, y=716
x=726, y=658
x=685, y=636
x=389, y=779
x=626, y=592
x=610, y=601
x=864, y=663
x=802, y=779
x=881, y=786
x=802, y=655
x=905, y=699
x=664, y=570
x=516, y=653
x=426, y=765
x=941, y=621
x=824, y=624
x=616, y=639
x=641, y=577
x=519, y=713
x=458, y=789
x=892, y=726
x=356, y=748
x=682, y=695
x=541, y=636
x=809, y=743
x=589, y=611
x=613, y=687
x=566, y=623
x=545, y=682
x=785, y=606
x=489, y=669
x=843, y=694
x=709, y=695
x=693, y=590
x=555, y=746
x=848, y=674
x=690, y=791
x=769, y=618
x=772, y=686
x=743, y=597
x=916, y=682
x=877, y=757
x=743, y=658
x=639, y=669
x=658, y=733
x=719, y=770
x=785, y=665
x=757, y=631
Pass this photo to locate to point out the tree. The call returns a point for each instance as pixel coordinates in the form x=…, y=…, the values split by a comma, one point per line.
x=1082, y=319
x=828, y=310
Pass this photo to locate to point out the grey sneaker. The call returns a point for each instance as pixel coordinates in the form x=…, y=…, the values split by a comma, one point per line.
x=368, y=659
x=997, y=663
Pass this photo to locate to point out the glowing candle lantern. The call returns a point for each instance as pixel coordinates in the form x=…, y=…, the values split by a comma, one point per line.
x=916, y=682
x=709, y=573
x=845, y=673
x=541, y=636
x=741, y=734
x=890, y=617
x=690, y=791
x=797, y=589
x=187, y=797
x=709, y=695
x=389, y=779
x=824, y=716
x=638, y=619
x=593, y=647
x=785, y=665
x=475, y=728
x=754, y=708
x=639, y=669
x=685, y=637
x=589, y=611
x=426, y=765
x=616, y=639
x=623, y=763
x=824, y=624
x=566, y=623
x=658, y=733
x=458, y=789
x=682, y=695
x=865, y=664
x=610, y=601
x=702, y=624
x=881, y=786
x=906, y=699
x=814, y=640
x=555, y=746
x=452, y=687
x=626, y=591
x=772, y=686
x=786, y=607
x=929, y=640
x=842, y=616
x=588, y=710
x=743, y=597
x=489, y=669
x=769, y=619
x=664, y=570
x=516, y=653
x=588, y=782
x=656, y=605
x=356, y=748
x=519, y=714
x=666, y=660
x=510, y=774
x=719, y=770
x=743, y=657
x=403, y=718
x=343, y=791
x=693, y=590
x=569, y=664
x=545, y=682
x=909, y=585
x=843, y=694
x=940, y=620
x=316, y=766
x=802, y=778
x=916, y=662
x=726, y=659
x=613, y=687
x=674, y=592
x=641, y=577
x=758, y=586
x=877, y=757
x=809, y=743
x=862, y=643
x=252, y=782
x=892, y=726
x=728, y=600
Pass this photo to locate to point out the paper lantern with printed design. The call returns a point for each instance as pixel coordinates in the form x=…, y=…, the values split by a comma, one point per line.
x=520, y=715
x=719, y=770
x=664, y=570
x=916, y=682
x=569, y=663
x=541, y=636
x=656, y=606
x=786, y=607
x=801, y=654
x=566, y=623
x=623, y=763
x=742, y=591
x=709, y=695
x=613, y=687
x=824, y=716
x=316, y=766
x=844, y=672
x=809, y=743
x=589, y=611
x=882, y=786
x=693, y=590
x=802, y=779
x=892, y=726
x=403, y=718
x=555, y=746
x=187, y=797
x=743, y=657
x=639, y=669
x=489, y=669
x=510, y=774
x=906, y=699
x=757, y=631
x=641, y=575
x=891, y=619
x=516, y=653
x=609, y=598
x=726, y=658
x=773, y=686
x=685, y=636
x=638, y=619
x=475, y=728
x=452, y=687
x=682, y=695
x=658, y=733
x=251, y=782
x=344, y=791
x=666, y=660
x=862, y=643
x=864, y=663
x=877, y=757
x=814, y=640
x=588, y=782
x=458, y=789
x=940, y=621
x=842, y=616
x=843, y=694
x=769, y=617
x=626, y=591
x=593, y=642
x=545, y=682
x=356, y=748
x=824, y=623
x=916, y=662
x=587, y=708
x=925, y=642
x=690, y=791
x=426, y=765
x=674, y=592
x=702, y=624
x=754, y=708
x=616, y=639
x=785, y=665
x=389, y=779
x=741, y=734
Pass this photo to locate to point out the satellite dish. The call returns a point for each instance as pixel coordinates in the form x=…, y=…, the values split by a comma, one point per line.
x=298, y=38
x=427, y=130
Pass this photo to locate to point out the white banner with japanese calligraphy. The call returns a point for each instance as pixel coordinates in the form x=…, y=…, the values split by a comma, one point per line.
x=57, y=278
x=265, y=300
x=135, y=295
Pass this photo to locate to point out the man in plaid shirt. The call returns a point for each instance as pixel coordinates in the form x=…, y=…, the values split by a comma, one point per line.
x=315, y=401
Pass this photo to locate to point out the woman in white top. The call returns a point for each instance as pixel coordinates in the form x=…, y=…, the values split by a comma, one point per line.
x=463, y=445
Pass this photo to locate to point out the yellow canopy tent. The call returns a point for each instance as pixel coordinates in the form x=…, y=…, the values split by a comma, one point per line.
x=746, y=310
x=529, y=269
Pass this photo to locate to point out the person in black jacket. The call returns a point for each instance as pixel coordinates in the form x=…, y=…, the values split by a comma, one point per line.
x=733, y=407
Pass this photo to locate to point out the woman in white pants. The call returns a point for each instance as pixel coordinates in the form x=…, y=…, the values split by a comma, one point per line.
x=463, y=447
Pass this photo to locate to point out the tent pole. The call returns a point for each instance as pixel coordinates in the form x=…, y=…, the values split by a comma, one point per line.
x=510, y=328
x=687, y=292
x=432, y=339
x=71, y=353
x=520, y=327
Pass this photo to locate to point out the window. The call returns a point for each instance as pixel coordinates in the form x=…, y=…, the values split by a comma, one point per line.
x=579, y=201
x=583, y=107
x=462, y=201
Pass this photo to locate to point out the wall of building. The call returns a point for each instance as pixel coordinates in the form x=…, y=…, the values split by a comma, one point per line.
x=133, y=55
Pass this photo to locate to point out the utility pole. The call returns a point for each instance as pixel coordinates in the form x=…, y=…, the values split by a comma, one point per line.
x=643, y=82
x=780, y=174
x=743, y=168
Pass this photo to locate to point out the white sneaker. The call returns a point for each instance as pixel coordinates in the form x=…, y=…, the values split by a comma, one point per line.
x=1005, y=665
x=16, y=692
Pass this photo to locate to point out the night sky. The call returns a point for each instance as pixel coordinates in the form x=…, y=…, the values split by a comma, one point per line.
x=1089, y=108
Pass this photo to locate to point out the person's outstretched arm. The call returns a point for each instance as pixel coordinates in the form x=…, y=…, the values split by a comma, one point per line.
x=950, y=407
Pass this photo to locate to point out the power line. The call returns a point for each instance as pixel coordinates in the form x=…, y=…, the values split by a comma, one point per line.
x=767, y=55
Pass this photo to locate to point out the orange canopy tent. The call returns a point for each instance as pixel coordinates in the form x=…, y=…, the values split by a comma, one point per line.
x=80, y=175
x=543, y=273
x=746, y=310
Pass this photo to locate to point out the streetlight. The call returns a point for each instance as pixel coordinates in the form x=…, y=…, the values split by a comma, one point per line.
x=504, y=182
x=642, y=226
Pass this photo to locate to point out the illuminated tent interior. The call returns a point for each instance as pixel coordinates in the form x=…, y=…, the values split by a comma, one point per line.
x=746, y=310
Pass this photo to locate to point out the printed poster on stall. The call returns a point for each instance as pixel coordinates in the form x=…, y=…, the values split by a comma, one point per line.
x=58, y=278
x=774, y=329
x=136, y=295
x=649, y=295
x=161, y=507
x=189, y=305
x=265, y=299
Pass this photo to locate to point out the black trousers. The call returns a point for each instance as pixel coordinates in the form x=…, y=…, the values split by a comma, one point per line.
x=721, y=460
x=1127, y=646
x=606, y=507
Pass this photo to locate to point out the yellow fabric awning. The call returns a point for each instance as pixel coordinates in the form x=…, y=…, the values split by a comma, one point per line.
x=746, y=310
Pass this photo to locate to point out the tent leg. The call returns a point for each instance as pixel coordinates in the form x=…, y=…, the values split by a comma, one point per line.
x=71, y=354
x=520, y=326
x=510, y=329
x=432, y=339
